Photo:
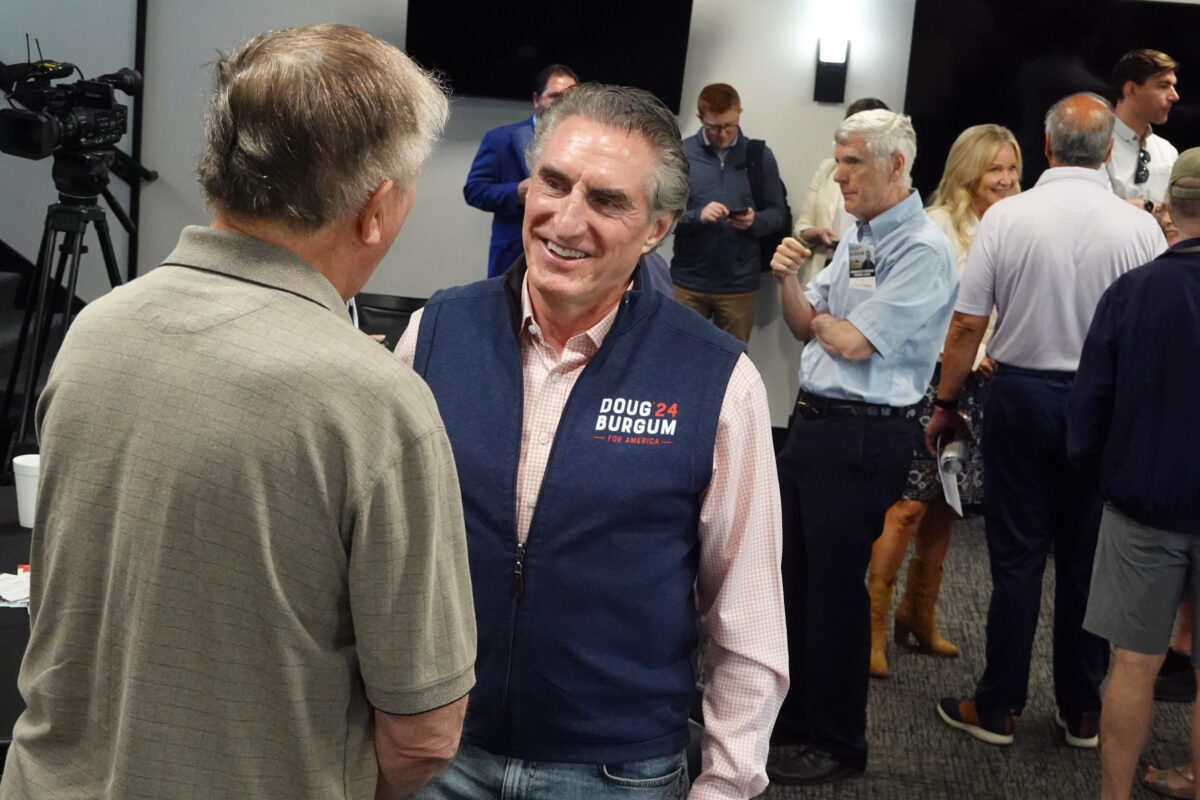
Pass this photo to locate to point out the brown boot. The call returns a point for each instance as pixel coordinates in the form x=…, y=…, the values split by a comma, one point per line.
x=880, y=591
x=914, y=615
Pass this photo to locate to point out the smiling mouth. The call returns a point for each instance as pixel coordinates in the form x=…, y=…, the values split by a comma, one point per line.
x=563, y=252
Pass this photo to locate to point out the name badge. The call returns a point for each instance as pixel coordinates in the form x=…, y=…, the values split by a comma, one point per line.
x=862, y=267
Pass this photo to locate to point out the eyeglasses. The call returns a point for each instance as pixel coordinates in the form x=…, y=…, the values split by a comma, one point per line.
x=1143, y=171
x=716, y=129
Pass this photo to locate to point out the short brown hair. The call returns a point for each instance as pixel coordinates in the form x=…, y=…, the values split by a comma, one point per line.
x=1138, y=66
x=305, y=123
x=717, y=98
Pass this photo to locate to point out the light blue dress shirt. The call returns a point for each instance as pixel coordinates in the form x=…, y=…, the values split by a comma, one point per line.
x=904, y=316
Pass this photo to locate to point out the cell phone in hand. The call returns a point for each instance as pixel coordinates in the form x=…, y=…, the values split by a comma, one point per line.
x=739, y=212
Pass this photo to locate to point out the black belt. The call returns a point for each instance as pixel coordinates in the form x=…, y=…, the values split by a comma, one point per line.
x=814, y=406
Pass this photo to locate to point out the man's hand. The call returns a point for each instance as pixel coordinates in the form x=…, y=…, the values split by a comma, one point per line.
x=788, y=258
x=412, y=749
x=713, y=212
x=742, y=221
x=522, y=190
x=987, y=367
x=815, y=236
x=946, y=425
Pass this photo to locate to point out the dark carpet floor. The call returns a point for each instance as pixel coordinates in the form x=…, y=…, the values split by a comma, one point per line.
x=914, y=755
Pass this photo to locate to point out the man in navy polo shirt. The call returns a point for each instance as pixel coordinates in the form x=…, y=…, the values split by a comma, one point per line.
x=614, y=451
x=876, y=316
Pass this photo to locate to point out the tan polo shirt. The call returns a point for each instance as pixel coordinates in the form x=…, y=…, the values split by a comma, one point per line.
x=249, y=531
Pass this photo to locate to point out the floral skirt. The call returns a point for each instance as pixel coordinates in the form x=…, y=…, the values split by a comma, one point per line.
x=924, y=484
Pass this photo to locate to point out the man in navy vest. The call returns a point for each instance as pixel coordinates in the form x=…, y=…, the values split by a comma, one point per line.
x=615, y=457
x=499, y=179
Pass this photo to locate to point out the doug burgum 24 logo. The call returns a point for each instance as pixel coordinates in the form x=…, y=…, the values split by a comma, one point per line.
x=623, y=420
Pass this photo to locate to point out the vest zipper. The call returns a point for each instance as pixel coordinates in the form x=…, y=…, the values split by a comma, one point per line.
x=518, y=575
x=518, y=589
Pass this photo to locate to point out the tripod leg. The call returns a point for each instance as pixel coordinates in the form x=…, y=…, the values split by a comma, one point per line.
x=72, y=283
x=31, y=307
x=106, y=249
x=41, y=332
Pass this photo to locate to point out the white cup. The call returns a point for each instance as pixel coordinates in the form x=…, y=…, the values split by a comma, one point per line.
x=25, y=470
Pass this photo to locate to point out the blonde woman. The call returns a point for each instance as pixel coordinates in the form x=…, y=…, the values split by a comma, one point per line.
x=984, y=166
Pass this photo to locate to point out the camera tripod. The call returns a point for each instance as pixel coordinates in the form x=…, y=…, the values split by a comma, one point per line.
x=80, y=178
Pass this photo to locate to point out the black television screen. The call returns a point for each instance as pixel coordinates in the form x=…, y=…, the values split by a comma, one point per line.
x=496, y=49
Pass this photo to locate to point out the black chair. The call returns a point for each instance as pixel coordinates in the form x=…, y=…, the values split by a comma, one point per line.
x=385, y=313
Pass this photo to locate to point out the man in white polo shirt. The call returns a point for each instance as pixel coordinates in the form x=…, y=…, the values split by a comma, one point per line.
x=1042, y=259
x=1143, y=85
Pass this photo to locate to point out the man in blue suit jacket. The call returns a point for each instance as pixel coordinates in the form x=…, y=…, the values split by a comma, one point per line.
x=499, y=178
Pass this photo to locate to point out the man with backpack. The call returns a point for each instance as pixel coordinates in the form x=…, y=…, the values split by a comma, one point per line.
x=737, y=203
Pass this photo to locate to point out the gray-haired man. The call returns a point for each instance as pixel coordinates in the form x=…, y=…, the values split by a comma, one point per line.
x=249, y=576
x=617, y=476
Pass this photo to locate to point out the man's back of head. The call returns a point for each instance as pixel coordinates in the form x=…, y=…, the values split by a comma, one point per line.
x=1183, y=193
x=1079, y=131
x=305, y=123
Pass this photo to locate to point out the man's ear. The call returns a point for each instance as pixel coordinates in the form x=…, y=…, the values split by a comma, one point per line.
x=1048, y=154
x=658, y=231
x=371, y=217
x=897, y=164
x=1128, y=88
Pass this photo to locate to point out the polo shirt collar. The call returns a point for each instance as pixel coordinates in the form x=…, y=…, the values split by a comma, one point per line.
x=252, y=260
x=1072, y=173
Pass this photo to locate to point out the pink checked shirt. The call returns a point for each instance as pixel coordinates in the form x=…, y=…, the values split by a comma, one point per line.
x=738, y=589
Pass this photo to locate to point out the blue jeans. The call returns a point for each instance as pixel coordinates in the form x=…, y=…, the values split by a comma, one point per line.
x=476, y=774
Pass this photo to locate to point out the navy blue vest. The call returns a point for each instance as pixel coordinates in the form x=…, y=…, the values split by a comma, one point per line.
x=587, y=633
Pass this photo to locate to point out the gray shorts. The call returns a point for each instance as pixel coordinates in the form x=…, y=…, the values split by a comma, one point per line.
x=1139, y=576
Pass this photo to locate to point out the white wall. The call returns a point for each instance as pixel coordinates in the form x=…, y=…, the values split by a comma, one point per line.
x=98, y=38
x=766, y=48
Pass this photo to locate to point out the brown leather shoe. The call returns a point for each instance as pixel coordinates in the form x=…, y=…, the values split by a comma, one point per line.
x=1082, y=729
x=963, y=715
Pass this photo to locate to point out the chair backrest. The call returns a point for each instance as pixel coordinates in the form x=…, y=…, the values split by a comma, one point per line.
x=385, y=313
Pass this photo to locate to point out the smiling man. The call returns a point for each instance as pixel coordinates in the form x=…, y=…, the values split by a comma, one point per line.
x=878, y=314
x=1143, y=85
x=615, y=457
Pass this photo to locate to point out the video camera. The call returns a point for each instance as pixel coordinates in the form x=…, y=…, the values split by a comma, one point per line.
x=76, y=117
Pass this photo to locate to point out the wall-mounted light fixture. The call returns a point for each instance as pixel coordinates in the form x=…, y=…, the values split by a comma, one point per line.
x=833, y=57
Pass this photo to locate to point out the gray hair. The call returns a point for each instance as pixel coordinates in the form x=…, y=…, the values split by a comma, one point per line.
x=305, y=123
x=631, y=110
x=1080, y=140
x=885, y=132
